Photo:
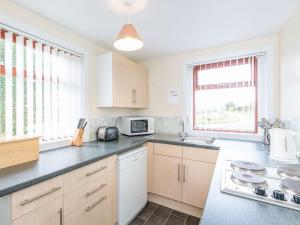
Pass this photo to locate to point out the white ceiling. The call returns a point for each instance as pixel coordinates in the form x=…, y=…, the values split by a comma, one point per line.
x=170, y=26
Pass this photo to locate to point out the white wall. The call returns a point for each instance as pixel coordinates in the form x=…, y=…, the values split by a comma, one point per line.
x=166, y=73
x=290, y=68
x=17, y=16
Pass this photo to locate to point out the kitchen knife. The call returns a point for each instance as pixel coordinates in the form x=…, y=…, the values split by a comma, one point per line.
x=84, y=125
x=79, y=123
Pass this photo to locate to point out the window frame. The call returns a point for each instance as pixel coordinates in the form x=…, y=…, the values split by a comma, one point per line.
x=54, y=40
x=265, y=91
x=196, y=87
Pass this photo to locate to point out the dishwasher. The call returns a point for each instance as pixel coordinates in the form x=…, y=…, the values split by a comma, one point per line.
x=132, y=184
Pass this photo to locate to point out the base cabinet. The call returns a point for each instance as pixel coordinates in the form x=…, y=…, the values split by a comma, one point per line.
x=49, y=214
x=196, y=182
x=183, y=173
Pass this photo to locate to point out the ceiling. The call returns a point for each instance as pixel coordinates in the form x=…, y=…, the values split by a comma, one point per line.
x=169, y=26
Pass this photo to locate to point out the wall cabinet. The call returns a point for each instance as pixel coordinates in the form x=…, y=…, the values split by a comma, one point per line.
x=183, y=173
x=121, y=82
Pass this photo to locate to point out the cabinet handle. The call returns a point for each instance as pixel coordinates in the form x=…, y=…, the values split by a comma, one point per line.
x=95, y=203
x=95, y=190
x=61, y=216
x=135, y=96
x=183, y=173
x=132, y=96
x=96, y=171
x=178, y=175
x=26, y=201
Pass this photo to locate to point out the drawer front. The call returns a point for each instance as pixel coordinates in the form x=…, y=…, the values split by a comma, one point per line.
x=84, y=194
x=49, y=214
x=33, y=197
x=168, y=150
x=98, y=211
x=200, y=154
x=77, y=178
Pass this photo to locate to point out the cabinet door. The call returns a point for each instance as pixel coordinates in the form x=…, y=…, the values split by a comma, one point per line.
x=123, y=81
x=196, y=179
x=167, y=179
x=141, y=87
x=150, y=166
x=49, y=214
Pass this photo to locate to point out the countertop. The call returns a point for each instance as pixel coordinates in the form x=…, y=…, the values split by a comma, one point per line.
x=62, y=160
x=225, y=209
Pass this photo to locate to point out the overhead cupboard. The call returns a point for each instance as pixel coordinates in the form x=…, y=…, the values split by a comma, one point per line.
x=121, y=82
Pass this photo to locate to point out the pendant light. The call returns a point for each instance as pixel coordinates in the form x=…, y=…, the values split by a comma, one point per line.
x=128, y=38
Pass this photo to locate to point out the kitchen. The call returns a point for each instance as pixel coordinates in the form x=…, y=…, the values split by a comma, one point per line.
x=115, y=132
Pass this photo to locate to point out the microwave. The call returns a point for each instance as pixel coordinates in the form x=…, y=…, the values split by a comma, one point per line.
x=132, y=126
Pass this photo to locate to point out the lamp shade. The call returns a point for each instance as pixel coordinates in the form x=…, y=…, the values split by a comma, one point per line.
x=128, y=39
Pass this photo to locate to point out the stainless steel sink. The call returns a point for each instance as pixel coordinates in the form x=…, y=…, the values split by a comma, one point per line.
x=199, y=140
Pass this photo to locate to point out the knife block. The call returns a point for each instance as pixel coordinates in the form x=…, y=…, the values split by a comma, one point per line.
x=78, y=137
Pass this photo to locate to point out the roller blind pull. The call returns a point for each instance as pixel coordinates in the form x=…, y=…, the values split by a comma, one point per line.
x=39, y=83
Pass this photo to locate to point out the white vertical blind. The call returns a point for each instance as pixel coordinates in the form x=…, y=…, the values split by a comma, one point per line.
x=45, y=98
x=54, y=100
x=8, y=84
x=29, y=88
x=39, y=89
x=20, y=85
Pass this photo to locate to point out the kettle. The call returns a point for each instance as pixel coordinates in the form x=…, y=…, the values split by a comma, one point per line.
x=284, y=146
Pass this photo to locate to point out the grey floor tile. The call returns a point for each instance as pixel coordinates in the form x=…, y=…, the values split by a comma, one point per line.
x=191, y=220
x=174, y=220
x=154, y=220
x=179, y=214
x=162, y=212
x=137, y=221
x=148, y=210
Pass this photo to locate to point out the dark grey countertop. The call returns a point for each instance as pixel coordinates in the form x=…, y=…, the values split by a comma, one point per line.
x=59, y=161
x=225, y=209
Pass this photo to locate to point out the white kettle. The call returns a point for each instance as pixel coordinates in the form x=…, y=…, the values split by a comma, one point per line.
x=284, y=146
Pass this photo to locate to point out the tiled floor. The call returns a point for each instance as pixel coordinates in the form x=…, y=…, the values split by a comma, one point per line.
x=154, y=214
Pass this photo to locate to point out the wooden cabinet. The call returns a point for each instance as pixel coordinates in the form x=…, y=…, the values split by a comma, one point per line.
x=183, y=173
x=85, y=196
x=167, y=181
x=150, y=166
x=196, y=180
x=121, y=82
x=48, y=214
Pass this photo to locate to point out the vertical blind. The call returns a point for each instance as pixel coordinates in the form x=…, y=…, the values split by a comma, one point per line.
x=225, y=95
x=40, y=88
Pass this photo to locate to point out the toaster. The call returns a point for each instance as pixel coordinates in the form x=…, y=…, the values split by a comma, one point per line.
x=107, y=133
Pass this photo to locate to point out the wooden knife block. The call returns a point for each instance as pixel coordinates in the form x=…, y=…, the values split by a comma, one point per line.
x=78, y=137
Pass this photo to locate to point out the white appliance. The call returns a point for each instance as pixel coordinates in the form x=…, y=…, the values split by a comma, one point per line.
x=132, y=126
x=277, y=185
x=284, y=146
x=132, y=184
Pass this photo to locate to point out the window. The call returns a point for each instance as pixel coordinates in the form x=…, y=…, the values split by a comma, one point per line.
x=225, y=96
x=40, y=88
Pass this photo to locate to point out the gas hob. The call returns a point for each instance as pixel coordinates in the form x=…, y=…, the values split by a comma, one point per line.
x=278, y=185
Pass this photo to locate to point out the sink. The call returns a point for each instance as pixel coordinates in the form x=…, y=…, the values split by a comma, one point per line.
x=199, y=140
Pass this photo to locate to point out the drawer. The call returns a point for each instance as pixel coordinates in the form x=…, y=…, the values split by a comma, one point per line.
x=200, y=154
x=84, y=194
x=99, y=211
x=168, y=150
x=49, y=214
x=78, y=177
x=33, y=197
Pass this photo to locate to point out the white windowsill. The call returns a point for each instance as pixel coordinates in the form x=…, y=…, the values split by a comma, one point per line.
x=52, y=144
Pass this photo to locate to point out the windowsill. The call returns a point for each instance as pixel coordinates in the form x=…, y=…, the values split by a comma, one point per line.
x=52, y=144
x=232, y=136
